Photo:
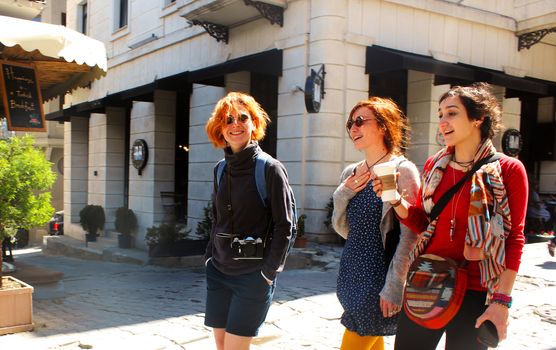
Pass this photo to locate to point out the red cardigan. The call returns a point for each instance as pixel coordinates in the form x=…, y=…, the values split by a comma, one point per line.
x=515, y=181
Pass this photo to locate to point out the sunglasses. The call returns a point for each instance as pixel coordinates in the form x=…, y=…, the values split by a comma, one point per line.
x=241, y=118
x=359, y=121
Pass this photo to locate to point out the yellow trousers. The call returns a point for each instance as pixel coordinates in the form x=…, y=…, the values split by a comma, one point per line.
x=353, y=341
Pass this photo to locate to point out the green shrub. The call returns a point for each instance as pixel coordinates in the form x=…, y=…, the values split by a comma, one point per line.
x=126, y=221
x=92, y=218
x=26, y=178
x=204, y=227
x=301, y=225
x=329, y=209
x=165, y=233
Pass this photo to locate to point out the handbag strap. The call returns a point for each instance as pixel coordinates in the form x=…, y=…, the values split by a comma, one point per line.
x=439, y=206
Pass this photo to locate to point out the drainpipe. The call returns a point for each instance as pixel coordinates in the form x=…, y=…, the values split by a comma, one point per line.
x=305, y=122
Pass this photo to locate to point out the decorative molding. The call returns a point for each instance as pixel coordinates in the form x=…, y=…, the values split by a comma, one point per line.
x=516, y=72
x=443, y=56
x=275, y=14
x=217, y=31
x=526, y=40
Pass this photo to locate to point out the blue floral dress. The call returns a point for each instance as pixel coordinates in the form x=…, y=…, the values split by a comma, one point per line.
x=362, y=268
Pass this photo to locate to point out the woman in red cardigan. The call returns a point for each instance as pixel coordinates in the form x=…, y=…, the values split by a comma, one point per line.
x=468, y=118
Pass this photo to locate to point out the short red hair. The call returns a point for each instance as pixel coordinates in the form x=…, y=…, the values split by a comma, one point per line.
x=231, y=102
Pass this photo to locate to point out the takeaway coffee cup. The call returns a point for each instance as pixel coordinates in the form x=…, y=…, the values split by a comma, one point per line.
x=386, y=172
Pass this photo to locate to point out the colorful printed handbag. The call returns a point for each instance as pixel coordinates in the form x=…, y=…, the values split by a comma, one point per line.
x=434, y=290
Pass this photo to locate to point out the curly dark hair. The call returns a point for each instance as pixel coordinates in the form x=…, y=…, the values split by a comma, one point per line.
x=480, y=104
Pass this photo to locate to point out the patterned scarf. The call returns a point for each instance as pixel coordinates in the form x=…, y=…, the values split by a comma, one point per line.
x=489, y=220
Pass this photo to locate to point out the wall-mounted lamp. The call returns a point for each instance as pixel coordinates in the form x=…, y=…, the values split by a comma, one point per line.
x=314, y=90
x=139, y=155
x=296, y=88
x=144, y=41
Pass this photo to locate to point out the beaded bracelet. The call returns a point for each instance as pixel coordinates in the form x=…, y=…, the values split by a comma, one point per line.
x=502, y=299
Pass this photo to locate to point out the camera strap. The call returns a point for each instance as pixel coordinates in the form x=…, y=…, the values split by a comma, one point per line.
x=231, y=212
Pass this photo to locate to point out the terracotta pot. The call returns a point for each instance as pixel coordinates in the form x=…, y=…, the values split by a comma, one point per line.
x=16, y=306
x=300, y=242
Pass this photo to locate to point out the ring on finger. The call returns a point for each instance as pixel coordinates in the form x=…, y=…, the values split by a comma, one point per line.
x=356, y=182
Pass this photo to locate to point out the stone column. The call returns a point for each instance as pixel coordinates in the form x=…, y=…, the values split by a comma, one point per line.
x=545, y=115
x=313, y=146
x=155, y=122
x=202, y=154
x=76, y=150
x=106, y=161
x=422, y=113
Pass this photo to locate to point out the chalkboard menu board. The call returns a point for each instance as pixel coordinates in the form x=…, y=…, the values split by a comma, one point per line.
x=21, y=97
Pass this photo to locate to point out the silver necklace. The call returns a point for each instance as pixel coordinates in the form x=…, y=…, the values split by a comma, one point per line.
x=453, y=217
x=369, y=167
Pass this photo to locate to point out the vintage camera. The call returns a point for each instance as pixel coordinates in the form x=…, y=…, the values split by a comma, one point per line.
x=247, y=248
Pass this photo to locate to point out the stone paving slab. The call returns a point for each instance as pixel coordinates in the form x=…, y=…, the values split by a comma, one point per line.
x=126, y=306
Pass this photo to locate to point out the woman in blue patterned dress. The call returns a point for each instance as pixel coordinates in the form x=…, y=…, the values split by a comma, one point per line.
x=375, y=259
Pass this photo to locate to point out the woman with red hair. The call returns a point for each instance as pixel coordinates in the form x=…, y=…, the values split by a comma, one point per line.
x=375, y=259
x=250, y=238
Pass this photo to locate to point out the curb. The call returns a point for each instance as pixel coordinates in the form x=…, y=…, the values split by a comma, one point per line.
x=299, y=258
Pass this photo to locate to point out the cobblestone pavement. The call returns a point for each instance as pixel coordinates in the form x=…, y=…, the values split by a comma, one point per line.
x=124, y=306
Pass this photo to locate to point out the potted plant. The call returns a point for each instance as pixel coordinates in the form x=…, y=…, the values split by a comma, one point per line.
x=328, y=221
x=126, y=224
x=329, y=210
x=92, y=219
x=171, y=239
x=301, y=240
x=205, y=226
x=25, y=175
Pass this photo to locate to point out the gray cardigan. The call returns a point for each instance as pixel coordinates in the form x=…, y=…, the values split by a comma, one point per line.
x=408, y=185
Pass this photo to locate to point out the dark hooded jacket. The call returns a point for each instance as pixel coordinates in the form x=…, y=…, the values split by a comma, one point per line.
x=250, y=216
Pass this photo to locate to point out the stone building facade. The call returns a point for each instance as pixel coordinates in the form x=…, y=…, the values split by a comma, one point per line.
x=170, y=61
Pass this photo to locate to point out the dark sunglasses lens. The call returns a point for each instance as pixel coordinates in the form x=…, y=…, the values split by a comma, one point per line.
x=230, y=120
x=243, y=118
x=358, y=122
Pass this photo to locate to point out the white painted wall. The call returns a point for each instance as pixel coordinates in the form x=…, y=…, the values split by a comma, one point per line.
x=76, y=156
x=155, y=123
x=313, y=147
x=106, y=162
x=202, y=155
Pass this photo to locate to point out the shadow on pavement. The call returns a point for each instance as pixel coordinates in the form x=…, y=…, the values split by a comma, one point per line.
x=100, y=295
x=549, y=265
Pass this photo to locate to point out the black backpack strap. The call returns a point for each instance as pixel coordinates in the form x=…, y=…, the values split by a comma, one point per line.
x=443, y=201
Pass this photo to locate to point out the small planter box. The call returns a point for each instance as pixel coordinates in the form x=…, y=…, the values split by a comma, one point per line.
x=179, y=248
x=16, y=306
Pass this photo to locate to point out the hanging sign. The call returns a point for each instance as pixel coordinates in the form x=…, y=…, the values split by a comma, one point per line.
x=314, y=90
x=512, y=142
x=139, y=155
x=21, y=97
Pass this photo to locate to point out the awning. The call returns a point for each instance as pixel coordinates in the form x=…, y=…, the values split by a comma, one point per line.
x=380, y=60
x=64, y=59
x=266, y=62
